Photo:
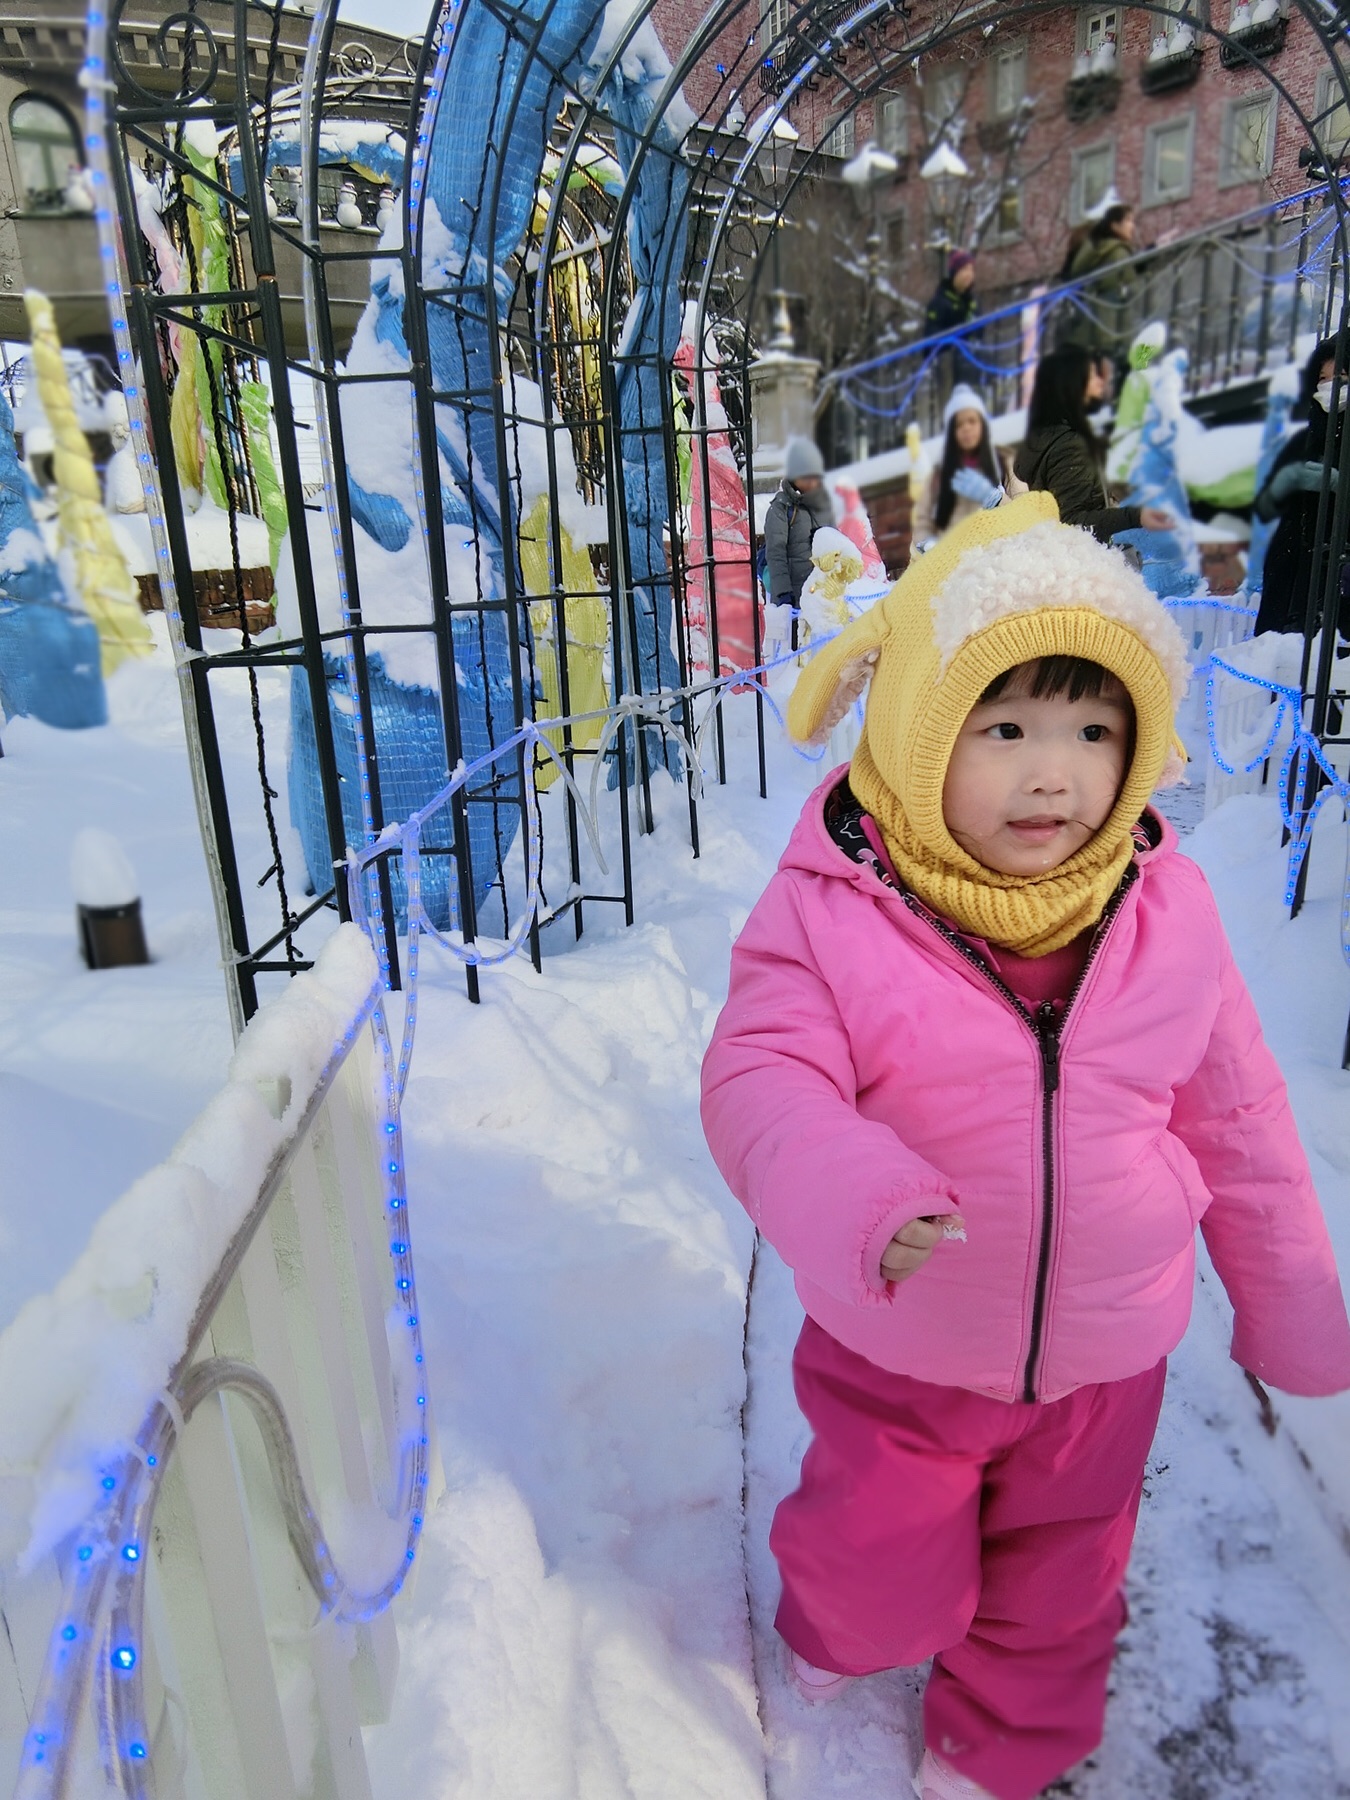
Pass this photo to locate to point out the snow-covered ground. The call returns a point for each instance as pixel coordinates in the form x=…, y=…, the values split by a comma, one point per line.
x=581, y=1622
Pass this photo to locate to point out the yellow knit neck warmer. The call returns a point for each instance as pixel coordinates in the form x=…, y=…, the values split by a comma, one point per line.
x=1003, y=588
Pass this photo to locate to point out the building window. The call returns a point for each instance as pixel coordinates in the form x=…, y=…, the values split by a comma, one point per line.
x=895, y=239
x=774, y=23
x=1332, y=123
x=1095, y=25
x=1009, y=80
x=944, y=97
x=893, y=124
x=1167, y=161
x=839, y=139
x=1248, y=140
x=1093, y=171
x=45, y=148
x=1008, y=215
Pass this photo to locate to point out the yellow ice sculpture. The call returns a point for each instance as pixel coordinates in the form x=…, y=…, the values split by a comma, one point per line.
x=103, y=581
x=587, y=618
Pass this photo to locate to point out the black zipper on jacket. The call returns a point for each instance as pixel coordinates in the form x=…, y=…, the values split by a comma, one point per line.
x=1047, y=1028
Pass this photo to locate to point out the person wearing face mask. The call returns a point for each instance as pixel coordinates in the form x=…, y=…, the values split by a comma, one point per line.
x=1292, y=491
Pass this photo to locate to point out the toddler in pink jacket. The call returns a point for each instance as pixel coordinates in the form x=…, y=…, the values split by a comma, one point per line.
x=985, y=1065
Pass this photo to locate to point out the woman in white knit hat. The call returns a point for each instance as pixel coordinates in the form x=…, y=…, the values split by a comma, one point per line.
x=970, y=475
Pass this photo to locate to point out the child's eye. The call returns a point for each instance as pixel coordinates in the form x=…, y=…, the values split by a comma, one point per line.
x=1006, y=730
x=1095, y=733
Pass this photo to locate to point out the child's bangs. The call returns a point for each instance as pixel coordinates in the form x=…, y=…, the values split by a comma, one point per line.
x=1055, y=677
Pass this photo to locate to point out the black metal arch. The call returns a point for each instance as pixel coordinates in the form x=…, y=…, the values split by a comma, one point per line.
x=508, y=336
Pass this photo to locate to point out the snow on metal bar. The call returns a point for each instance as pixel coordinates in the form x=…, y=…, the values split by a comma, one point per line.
x=268, y=1258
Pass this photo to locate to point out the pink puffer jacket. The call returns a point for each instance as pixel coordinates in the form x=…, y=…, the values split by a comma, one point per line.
x=866, y=1071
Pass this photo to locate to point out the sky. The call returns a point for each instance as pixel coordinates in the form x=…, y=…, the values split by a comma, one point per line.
x=409, y=16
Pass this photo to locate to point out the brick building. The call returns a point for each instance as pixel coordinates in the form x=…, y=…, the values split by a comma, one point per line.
x=1189, y=130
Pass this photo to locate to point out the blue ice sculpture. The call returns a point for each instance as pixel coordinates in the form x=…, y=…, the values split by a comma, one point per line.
x=505, y=84
x=1279, y=401
x=49, y=651
x=1171, y=563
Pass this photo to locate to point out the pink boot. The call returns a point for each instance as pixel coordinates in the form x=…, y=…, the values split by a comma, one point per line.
x=936, y=1781
x=815, y=1684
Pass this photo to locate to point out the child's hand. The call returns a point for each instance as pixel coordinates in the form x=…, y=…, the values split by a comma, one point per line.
x=914, y=1243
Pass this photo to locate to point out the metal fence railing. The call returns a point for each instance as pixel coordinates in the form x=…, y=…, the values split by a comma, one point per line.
x=1236, y=296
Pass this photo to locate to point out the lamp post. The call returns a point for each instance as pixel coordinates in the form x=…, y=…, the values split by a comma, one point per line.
x=777, y=146
x=944, y=171
x=866, y=174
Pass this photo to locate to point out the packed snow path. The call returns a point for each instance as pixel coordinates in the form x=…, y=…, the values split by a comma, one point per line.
x=579, y=1625
x=580, y=1615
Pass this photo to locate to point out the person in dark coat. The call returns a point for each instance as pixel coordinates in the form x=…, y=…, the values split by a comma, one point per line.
x=1061, y=454
x=1103, y=321
x=1291, y=492
x=952, y=306
x=796, y=512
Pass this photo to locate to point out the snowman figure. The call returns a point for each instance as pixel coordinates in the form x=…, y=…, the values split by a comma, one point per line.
x=384, y=212
x=348, y=212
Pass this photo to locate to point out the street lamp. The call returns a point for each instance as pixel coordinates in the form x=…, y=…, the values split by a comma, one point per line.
x=944, y=171
x=866, y=174
x=777, y=146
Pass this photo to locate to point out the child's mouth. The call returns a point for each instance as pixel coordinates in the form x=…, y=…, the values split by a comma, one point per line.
x=1037, y=830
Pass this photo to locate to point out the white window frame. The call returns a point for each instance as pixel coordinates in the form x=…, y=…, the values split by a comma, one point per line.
x=774, y=20
x=1079, y=160
x=889, y=108
x=938, y=115
x=840, y=139
x=1230, y=174
x=1092, y=26
x=1152, y=193
x=999, y=233
x=43, y=155
x=1013, y=55
x=1329, y=89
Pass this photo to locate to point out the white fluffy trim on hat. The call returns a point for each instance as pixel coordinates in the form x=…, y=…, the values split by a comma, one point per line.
x=1051, y=566
x=964, y=399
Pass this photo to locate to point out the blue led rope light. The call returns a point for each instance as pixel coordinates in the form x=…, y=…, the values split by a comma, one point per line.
x=1304, y=751
x=108, y=1548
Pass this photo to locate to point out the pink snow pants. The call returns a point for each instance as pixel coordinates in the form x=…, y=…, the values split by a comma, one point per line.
x=935, y=1522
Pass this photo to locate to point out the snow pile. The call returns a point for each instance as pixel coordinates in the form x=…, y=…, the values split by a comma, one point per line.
x=80, y=1366
x=100, y=870
x=643, y=62
x=209, y=541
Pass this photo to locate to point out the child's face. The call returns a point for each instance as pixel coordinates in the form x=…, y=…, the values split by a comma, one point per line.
x=1030, y=781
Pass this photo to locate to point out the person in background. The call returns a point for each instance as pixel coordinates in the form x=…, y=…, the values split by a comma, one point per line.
x=1102, y=320
x=1292, y=491
x=953, y=305
x=796, y=512
x=970, y=475
x=1062, y=455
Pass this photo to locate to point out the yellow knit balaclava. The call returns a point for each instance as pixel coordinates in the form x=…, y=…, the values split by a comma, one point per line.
x=1004, y=587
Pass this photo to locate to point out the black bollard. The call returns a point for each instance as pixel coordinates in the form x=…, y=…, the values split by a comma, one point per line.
x=112, y=937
